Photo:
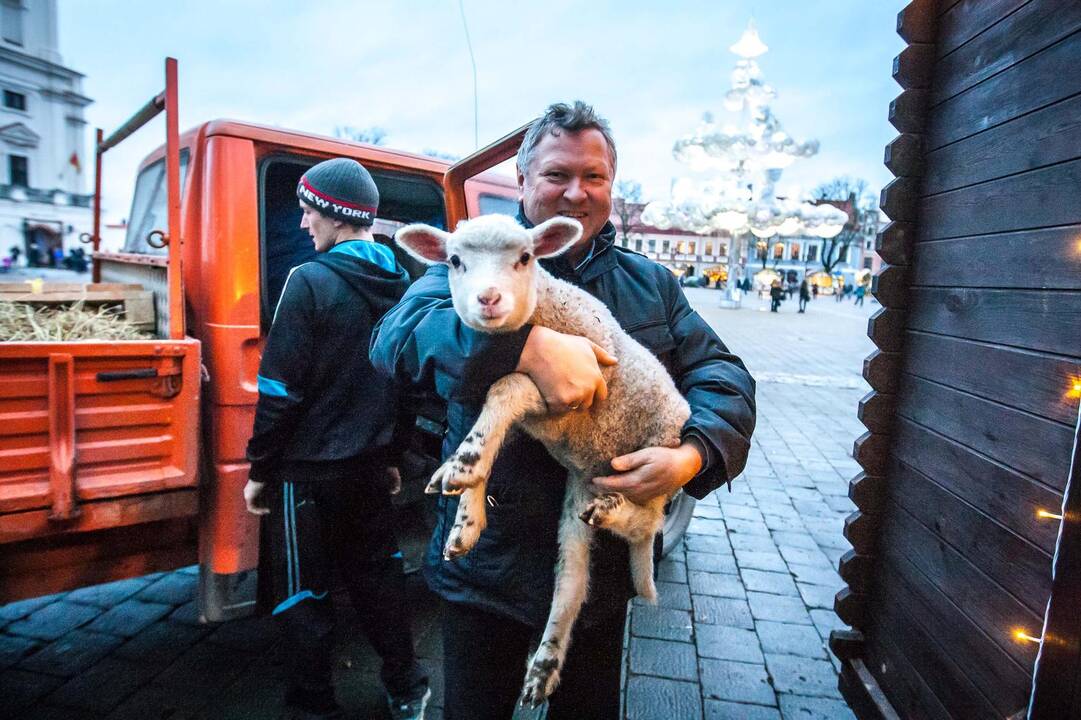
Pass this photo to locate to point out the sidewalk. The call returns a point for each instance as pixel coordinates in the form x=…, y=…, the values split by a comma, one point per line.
x=739, y=633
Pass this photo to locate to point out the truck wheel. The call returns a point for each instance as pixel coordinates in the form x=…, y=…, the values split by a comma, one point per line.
x=677, y=517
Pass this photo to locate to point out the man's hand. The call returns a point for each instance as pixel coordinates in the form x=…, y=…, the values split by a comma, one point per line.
x=255, y=499
x=394, y=480
x=565, y=368
x=653, y=471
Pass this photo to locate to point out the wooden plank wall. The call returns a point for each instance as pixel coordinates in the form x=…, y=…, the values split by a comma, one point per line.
x=976, y=381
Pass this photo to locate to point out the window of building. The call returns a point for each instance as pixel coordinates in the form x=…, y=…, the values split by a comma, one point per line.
x=14, y=100
x=778, y=251
x=709, y=247
x=11, y=21
x=18, y=170
x=666, y=246
x=812, y=253
x=652, y=245
x=638, y=244
x=795, y=252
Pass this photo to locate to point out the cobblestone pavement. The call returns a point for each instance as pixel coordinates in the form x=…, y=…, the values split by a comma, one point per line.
x=739, y=632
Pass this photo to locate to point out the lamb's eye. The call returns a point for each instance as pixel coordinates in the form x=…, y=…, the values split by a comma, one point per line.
x=455, y=261
x=524, y=259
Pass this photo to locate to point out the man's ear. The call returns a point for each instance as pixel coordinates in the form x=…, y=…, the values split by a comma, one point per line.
x=554, y=236
x=424, y=242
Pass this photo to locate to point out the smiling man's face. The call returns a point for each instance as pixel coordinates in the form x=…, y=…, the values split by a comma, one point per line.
x=570, y=175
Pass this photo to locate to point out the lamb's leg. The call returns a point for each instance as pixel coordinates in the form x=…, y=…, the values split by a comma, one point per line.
x=637, y=524
x=510, y=398
x=571, y=587
x=469, y=522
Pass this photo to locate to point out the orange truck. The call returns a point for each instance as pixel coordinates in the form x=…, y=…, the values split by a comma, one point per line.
x=124, y=458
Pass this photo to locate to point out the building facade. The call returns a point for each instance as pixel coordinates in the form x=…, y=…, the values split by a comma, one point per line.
x=44, y=169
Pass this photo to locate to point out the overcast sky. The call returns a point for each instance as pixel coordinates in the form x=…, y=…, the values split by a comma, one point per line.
x=652, y=68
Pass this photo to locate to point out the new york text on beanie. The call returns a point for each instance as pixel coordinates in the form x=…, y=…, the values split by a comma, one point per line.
x=342, y=189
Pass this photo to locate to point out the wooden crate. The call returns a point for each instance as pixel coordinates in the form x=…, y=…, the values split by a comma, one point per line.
x=137, y=302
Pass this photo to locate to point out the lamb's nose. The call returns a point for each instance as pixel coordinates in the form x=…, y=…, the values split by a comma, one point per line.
x=489, y=297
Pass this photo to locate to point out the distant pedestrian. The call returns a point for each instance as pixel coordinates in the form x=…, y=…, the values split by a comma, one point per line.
x=861, y=290
x=14, y=253
x=838, y=291
x=814, y=291
x=58, y=257
x=804, y=295
x=776, y=295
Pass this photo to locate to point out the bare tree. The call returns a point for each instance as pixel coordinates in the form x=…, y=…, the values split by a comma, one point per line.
x=851, y=195
x=627, y=206
x=373, y=135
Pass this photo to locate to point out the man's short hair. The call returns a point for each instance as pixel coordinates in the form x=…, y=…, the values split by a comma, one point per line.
x=562, y=117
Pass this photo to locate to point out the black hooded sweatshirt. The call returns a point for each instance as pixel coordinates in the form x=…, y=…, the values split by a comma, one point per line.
x=324, y=412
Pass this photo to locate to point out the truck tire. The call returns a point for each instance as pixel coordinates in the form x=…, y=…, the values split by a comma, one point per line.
x=677, y=517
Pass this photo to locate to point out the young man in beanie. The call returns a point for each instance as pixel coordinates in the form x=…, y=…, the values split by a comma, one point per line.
x=324, y=449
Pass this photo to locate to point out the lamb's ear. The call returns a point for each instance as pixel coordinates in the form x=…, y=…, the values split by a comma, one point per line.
x=424, y=242
x=553, y=236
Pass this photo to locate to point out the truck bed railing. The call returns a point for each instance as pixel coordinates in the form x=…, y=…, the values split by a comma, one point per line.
x=165, y=101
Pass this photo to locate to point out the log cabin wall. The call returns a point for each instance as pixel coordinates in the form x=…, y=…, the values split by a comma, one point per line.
x=971, y=421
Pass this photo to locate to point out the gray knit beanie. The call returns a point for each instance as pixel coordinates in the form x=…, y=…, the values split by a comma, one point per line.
x=341, y=189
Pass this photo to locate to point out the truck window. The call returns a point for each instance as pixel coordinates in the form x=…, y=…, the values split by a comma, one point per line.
x=497, y=204
x=403, y=199
x=148, y=206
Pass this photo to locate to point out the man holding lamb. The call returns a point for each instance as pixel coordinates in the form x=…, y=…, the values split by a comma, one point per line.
x=498, y=595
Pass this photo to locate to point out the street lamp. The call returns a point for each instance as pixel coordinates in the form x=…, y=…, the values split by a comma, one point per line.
x=749, y=158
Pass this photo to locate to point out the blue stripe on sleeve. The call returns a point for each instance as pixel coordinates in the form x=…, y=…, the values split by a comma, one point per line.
x=273, y=388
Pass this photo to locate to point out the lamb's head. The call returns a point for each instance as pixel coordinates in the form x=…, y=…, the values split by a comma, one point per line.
x=491, y=263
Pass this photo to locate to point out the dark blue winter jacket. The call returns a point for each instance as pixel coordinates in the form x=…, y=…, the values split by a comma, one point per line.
x=510, y=571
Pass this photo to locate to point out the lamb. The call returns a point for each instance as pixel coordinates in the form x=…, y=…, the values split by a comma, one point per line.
x=497, y=286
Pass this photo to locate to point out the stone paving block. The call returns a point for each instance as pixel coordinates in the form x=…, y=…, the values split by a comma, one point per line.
x=834, y=555
x=795, y=539
x=747, y=527
x=258, y=694
x=109, y=594
x=777, y=522
x=21, y=608
x=813, y=508
x=735, y=681
x=661, y=623
x=706, y=526
x=803, y=493
x=675, y=596
x=790, y=639
x=20, y=689
x=764, y=495
x=650, y=698
x=778, y=607
x=770, y=561
x=669, y=570
x=818, y=596
x=71, y=653
x=740, y=512
x=722, y=710
x=129, y=618
x=797, y=707
x=802, y=676
x=722, y=611
x=800, y=480
x=188, y=613
x=728, y=643
x=708, y=511
x=718, y=545
x=826, y=621
x=801, y=556
x=174, y=589
x=13, y=648
x=777, y=583
x=161, y=643
x=53, y=620
x=719, y=584
x=664, y=658
x=831, y=540
x=754, y=543
x=103, y=686
x=815, y=575
x=826, y=526
x=252, y=634
x=711, y=562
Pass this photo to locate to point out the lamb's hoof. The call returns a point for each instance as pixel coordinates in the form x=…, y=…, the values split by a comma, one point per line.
x=462, y=538
x=601, y=509
x=454, y=477
x=540, y=681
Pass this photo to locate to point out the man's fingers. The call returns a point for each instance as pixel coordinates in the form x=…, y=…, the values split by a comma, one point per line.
x=603, y=356
x=630, y=461
x=601, y=390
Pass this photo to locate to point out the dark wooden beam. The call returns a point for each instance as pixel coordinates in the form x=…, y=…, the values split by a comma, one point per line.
x=908, y=111
x=876, y=411
x=894, y=243
x=868, y=492
x=851, y=608
x=861, y=529
x=857, y=571
x=912, y=68
x=886, y=328
x=882, y=370
x=899, y=199
x=904, y=155
x=846, y=644
x=871, y=451
x=916, y=22
x=890, y=286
